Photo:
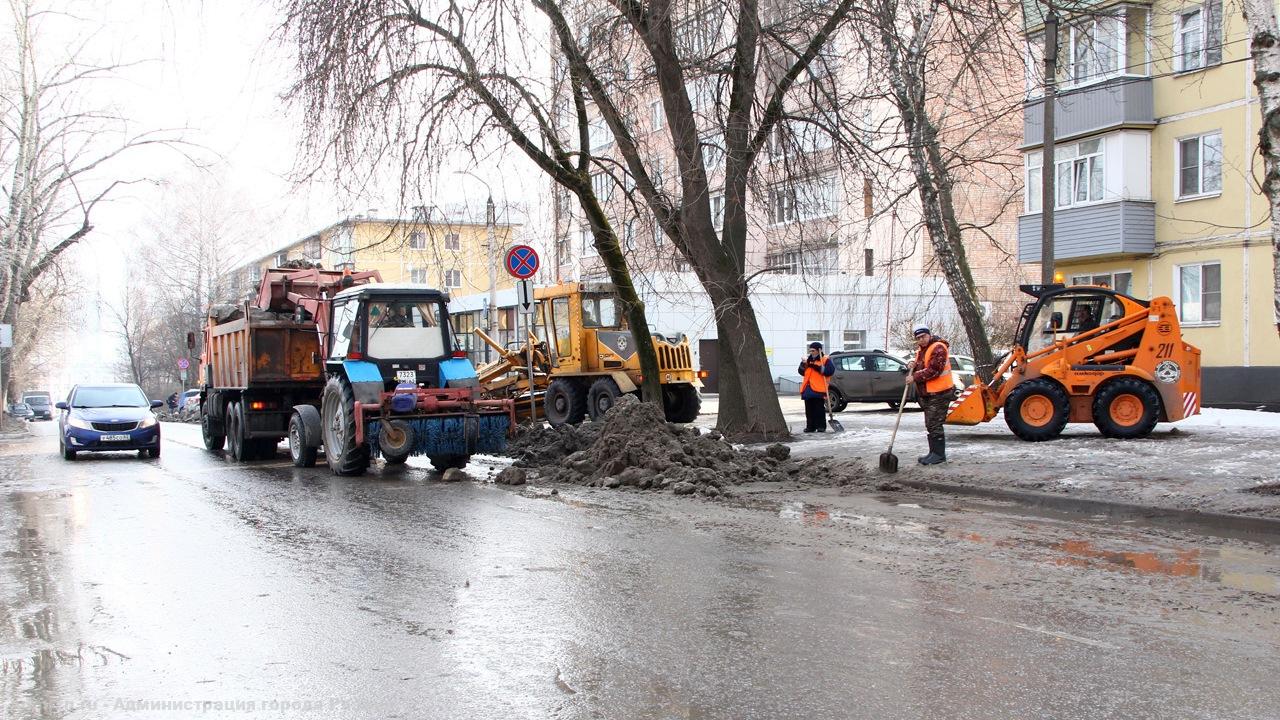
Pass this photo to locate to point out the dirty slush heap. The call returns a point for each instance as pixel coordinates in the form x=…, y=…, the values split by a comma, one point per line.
x=636, y=447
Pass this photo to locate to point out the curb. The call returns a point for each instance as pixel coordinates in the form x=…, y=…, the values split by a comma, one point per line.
x=1176, y=517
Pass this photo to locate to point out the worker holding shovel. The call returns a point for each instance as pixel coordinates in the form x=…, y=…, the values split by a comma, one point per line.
x=815, y=368
x=931, y=372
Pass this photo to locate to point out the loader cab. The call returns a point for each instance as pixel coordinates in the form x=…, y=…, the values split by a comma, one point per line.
x=569, y=317
x=403, y=330
x=1061, y=313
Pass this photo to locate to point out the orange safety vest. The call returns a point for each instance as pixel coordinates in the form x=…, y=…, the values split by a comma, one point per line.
x=814, y=378
x=943, y=382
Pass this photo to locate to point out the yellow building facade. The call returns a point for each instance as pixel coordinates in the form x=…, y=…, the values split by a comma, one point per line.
x=1158, y=178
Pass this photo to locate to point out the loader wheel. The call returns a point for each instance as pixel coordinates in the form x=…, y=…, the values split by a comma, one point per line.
x=1037, y=410
x=681, y=403
x=213, y=432
x=337, y=412
x=302, y=455
x=1126, y=408
x=565, y=402
x=604, y=394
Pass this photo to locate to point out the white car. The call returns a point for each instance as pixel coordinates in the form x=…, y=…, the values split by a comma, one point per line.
x=189, y=403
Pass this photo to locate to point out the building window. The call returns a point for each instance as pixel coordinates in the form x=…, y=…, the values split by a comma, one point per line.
x=417, y=240
x=1034, y=180
x=418, y=276
x=812, y=261
x=1095, y=47
x=602, y=185
x=599, y=136
x=588, y=243
x=802, y=200
x=1079, y=180
x=712, y=151
x=1121, y=281
x=855, y=339
x=453, y=278
x=656, y=115
x=782, y=204
x=1199, y=293
x=1189, y=41
x=452, y=241
x=868, y=262
x=282, y=258
x=813, y=336
x=1200, y=165
x=717, y=211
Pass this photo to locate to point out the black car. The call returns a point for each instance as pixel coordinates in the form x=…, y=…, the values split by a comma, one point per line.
x=41, y=406
x=868, y=376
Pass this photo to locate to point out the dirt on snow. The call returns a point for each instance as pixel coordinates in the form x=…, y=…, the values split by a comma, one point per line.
x=634, y=447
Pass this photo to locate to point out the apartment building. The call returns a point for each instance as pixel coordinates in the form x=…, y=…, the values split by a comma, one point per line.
x=448, y=253
x=1157, y=177
x=836, y=253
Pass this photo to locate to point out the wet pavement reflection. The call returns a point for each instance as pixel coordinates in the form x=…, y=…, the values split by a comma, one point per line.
x=153, y=587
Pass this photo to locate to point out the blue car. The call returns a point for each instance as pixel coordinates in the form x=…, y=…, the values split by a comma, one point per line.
x=108, y=418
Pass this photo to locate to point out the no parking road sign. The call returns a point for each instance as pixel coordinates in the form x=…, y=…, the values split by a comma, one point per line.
x=522, y=261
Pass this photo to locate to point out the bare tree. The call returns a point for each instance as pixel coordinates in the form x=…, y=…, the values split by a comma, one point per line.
x=1264, y=46
x=60, y=157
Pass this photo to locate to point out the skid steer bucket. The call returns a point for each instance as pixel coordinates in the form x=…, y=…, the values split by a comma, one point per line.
x=971, y=406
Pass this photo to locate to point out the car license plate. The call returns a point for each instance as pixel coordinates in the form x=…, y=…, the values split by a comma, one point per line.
x=115, y=438
x=408, y=376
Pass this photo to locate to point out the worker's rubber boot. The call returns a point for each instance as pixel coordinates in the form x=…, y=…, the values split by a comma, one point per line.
x=937, y=452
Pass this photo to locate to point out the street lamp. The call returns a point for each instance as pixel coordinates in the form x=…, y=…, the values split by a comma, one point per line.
x=491, y=248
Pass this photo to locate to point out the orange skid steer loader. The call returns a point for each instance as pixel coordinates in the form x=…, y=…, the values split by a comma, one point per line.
x=1089, y=354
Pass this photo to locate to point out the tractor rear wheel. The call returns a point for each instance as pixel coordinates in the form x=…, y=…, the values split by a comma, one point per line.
x=681, y=403
x=1037, y=410
x=338, y=415
x=1126, y=408
x=565, y=402
x=604, y=394
x=213, y=432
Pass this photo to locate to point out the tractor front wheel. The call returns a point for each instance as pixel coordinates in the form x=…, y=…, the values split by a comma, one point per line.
x=565, y=402
x=1037, y=410
x=1126, y=408
x=338, y=415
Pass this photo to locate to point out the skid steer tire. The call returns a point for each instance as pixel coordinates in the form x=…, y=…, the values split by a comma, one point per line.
x=338, y=417
x=1126, y=408
x=565, y=402
x=604, y=394
x=1037, y=410
x=681, y=403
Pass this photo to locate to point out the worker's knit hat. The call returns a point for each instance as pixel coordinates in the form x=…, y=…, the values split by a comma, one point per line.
x=815, y=345
x=922, y=330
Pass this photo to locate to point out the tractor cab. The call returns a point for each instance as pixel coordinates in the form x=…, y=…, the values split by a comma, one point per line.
x=403, y=330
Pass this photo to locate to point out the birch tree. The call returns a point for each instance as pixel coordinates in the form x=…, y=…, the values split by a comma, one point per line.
x=1264, y=47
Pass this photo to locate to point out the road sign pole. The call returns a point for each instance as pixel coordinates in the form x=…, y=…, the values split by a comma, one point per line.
x=533, y=405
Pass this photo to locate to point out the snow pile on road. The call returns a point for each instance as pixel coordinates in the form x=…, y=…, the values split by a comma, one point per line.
x=636, y=447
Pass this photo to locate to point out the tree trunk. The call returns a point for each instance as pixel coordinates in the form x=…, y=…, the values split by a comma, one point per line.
x=1264, y=46
x=748, y=407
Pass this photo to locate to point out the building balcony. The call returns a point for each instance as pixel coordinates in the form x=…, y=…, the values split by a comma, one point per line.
x=1123, y=102
x=1092, y=232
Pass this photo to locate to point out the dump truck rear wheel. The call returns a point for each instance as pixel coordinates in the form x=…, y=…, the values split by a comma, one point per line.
x=214, y=434
x=338, y=414
x=1037, y=410
x=1126, y=408
x=302, y=455
x=235, y=433
x=681, y=403
x=565, y=402
x=603, y=395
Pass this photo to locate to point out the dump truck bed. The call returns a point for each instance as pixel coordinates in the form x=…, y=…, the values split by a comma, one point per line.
x=262, y=349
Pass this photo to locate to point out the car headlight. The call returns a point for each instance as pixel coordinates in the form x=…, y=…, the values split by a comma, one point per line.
x=76, y=422
x=147, y=421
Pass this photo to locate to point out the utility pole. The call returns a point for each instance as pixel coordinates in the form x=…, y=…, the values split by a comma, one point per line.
x=1048, y=169
x=493, y=272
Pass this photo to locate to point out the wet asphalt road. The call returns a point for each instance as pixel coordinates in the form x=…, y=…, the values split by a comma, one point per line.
x=138, y=588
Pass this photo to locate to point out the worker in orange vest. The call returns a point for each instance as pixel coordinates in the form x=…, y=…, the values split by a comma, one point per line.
x=931, y=372
x=815, y=368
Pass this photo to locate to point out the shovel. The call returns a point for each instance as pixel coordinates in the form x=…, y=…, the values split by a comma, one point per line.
x=889, y=461
x=836, y=425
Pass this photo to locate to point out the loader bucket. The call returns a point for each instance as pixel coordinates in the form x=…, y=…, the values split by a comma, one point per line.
x=970, y=407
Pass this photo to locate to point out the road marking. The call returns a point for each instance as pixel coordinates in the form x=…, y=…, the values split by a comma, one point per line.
x=1053, y=633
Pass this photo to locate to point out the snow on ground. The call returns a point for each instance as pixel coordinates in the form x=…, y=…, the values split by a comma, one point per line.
x=1215, y=462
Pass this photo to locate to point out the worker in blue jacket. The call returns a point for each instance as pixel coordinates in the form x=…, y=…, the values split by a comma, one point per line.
x=815, y=369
